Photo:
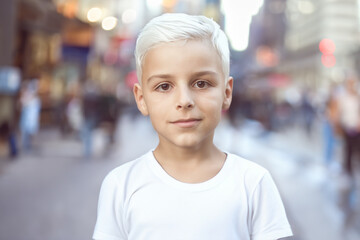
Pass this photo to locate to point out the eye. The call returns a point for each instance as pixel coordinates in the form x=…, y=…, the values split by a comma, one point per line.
x=163, y=87
x=201, y=84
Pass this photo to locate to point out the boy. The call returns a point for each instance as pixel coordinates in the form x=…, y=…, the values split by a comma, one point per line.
x=186, y=188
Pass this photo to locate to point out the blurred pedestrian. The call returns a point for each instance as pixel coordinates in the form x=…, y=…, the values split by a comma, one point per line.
x=187, y=188
x=30, y=113
x=349, y=122
x=7, y=128
x=91, y=116
x=330, y=125
x=308, y=110
x=60, y=103
x=349, y=113
x=109, y=111
x=74, y=113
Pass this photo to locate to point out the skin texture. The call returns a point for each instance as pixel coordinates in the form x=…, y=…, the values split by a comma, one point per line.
x=184, y=92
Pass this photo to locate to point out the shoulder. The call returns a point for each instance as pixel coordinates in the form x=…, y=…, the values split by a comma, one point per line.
x=249, y=172
x=246, y=165
x=124, y=173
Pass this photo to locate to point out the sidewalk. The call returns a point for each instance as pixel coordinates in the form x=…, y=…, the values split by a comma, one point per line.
x=52, y=192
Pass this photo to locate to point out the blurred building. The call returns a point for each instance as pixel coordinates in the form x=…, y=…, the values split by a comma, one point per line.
x=268, y=27
x=44, y=39
x=261, y=60
x=308, y=23
x=52, y=46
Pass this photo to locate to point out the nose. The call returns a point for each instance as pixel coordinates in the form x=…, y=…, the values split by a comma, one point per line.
x=184, y=99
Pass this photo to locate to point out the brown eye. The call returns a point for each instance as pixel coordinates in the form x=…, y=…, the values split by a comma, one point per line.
x=201, y=84
x=163, y=87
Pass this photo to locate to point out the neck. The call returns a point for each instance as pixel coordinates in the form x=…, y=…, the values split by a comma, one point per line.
x=166, y=154
x=190, y=165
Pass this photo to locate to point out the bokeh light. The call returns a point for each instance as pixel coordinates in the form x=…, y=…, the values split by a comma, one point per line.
x=238, y=16
x=154, y=6
x=305, y=7
x=128, y=16
x=109, y=23
x=327, y=46
x=94, y=14
x=328, y=60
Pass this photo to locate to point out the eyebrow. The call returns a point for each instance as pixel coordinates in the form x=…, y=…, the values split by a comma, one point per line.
x=163, y=76
x=169, y=76
x=202, y=73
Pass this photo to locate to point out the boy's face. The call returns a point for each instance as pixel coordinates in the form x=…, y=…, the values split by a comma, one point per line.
x=184, y=92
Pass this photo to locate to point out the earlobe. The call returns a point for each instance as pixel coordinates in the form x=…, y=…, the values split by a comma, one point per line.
x=139, y=98
x=228, y=94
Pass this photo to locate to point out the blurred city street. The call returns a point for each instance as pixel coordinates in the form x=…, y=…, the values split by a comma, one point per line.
x=51, y=193
x=68, y=115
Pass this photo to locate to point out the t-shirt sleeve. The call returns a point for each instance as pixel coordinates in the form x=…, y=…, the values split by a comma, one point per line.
x=109, y=223
x=268, y=216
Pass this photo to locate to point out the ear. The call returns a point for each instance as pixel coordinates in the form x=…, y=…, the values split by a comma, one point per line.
x=228, y=94
x=139, y=98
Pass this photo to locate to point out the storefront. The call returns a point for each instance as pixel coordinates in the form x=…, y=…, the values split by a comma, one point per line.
x=53, y=49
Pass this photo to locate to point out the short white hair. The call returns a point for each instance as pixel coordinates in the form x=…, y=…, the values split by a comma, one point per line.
x=172, y=27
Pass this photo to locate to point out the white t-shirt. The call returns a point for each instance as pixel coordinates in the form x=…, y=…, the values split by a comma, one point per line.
x=140, y=201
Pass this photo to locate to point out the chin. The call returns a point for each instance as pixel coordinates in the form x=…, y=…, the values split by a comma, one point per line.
x=187, y=140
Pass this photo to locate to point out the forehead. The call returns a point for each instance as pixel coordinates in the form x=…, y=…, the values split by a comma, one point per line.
x=181, y=57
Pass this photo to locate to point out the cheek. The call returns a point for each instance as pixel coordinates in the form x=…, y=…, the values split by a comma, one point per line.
x=213, y=101
x=212, y=106
x=157, y=108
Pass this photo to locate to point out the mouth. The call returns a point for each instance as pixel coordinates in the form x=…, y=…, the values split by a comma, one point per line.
x=186, y=123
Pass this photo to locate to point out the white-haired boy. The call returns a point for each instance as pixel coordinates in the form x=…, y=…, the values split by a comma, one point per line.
x=186, y=188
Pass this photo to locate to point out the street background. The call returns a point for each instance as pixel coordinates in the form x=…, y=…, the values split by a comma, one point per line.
x=68, y=116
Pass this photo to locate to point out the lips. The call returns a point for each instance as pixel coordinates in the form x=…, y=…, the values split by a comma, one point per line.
x=186, y=123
